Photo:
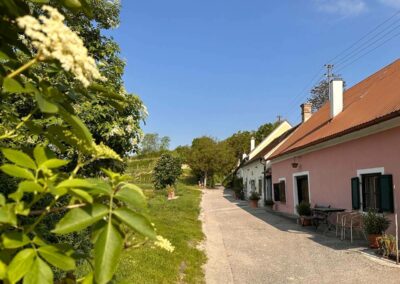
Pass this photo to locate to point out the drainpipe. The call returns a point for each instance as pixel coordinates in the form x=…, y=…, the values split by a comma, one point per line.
x=264, y=163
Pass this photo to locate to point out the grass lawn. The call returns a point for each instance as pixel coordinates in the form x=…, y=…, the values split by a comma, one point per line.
x=176, y=220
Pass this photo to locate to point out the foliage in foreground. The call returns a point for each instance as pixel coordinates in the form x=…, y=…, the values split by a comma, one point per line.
x=178, y=221
x=47, y=182
x=166, y=171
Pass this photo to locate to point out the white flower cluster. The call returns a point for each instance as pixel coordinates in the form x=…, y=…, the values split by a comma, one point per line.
x=164, y=244
x=54, y=40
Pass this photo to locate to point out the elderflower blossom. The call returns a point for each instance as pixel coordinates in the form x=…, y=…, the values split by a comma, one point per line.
x=164, y=244
x=54, y=40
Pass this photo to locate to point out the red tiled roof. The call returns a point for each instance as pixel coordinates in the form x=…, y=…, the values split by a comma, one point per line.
x=371, y=101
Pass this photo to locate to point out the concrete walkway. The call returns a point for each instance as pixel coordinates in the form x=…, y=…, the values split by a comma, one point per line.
x=247, y=245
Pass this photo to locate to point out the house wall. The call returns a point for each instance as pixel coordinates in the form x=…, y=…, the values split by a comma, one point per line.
x=330, y=170
x=253, y=171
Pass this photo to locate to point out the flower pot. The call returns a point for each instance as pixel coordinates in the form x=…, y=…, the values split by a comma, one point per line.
x=305, y=221
x=373, y=240
x=171, y=195
x=254, y=203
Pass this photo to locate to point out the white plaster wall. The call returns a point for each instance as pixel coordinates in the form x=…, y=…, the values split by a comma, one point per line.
x=253, y=171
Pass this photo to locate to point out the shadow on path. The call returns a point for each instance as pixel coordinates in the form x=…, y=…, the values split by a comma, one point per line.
x=289, y=224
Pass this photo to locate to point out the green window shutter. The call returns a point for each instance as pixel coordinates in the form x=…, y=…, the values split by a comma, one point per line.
x=282, y=191
x=386, y=193
x=355, y=193
x=276, y=192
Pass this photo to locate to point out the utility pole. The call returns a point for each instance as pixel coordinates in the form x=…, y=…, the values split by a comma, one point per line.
x=279, y=118
x=329, y=76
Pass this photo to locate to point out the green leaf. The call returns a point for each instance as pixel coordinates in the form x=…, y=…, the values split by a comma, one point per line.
x=40, y=1
x=20, y=265
x=15, y=239
x=7, y=214
x=15, y=171
x=77, y=183
x=3, y=270
x=30, y=186
x=81, y=194
x=19, y=158
x=54, y=163
x=78, y=127
x=16, y=196
x=72, y=4
x=107, y=250
x=132, y=195
x=39, y=274
x=11, y=85
x=57, y=258
x=39, y=153
x=45, y=105
x=2, y=200
x=88, y=279
x=136, y=221
x=79, y=218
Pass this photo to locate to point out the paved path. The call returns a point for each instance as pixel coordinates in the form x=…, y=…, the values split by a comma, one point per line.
x=247, y=245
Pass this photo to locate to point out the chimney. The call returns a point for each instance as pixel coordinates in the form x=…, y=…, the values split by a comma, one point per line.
x=336, y=96
x=306, y=111
x=252, y=143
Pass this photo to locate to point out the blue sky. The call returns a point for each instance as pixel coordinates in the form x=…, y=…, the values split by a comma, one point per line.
x=214, y=67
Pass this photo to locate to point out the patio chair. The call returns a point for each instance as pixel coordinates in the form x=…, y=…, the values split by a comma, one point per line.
x=353, y=221
x=340, y=216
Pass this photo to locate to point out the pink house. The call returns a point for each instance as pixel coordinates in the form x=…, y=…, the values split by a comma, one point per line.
x=347, y=154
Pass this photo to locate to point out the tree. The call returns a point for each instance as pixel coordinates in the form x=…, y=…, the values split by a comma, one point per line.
x=164, y=143
x=264, y=130
x=183, y=153
x=320, y=94
x=150, y=143
x=202, y=157
x=167, y=171
x=240, y=143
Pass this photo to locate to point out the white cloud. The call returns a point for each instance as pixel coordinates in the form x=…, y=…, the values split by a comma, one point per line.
x=392, y=3
x=344, y=7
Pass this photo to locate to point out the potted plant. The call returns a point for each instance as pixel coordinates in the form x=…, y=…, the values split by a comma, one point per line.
x=171, y=192
x=375, y=225
x=269, y=203
x=304, y=211
x=387, y=245
x=254, y=198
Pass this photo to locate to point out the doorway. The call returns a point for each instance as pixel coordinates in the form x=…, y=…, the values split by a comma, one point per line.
x=302, y=189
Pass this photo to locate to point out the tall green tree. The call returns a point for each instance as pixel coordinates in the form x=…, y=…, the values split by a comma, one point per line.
x=202, y=158
x=264, y=130
x=167, y=171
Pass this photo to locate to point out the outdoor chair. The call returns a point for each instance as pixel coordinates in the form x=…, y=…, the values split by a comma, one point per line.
x=353, y=221
x=339, y=222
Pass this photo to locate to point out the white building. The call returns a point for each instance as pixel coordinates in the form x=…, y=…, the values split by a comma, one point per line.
x=254, y=169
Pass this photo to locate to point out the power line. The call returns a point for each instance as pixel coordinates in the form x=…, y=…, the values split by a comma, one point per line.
x=366, y=35
x=361, y=48
x=389, y=39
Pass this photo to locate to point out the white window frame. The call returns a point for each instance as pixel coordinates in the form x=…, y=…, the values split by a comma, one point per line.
x=361, y=172
x=295, y=193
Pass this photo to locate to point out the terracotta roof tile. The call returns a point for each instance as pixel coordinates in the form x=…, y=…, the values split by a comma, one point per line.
x=373, y=98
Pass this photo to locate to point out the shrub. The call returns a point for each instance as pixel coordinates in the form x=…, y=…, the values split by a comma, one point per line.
x=374, y=223
x=166, y=171
x=303, y=209
x=254, y=196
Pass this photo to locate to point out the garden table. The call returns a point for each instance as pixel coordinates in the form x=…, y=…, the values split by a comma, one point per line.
x=322, y=214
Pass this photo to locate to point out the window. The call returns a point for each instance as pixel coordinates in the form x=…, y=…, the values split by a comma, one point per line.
x=370, y=192
x=376, y=191
x=276, y=192
x=260, y=186
x=280, y=191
